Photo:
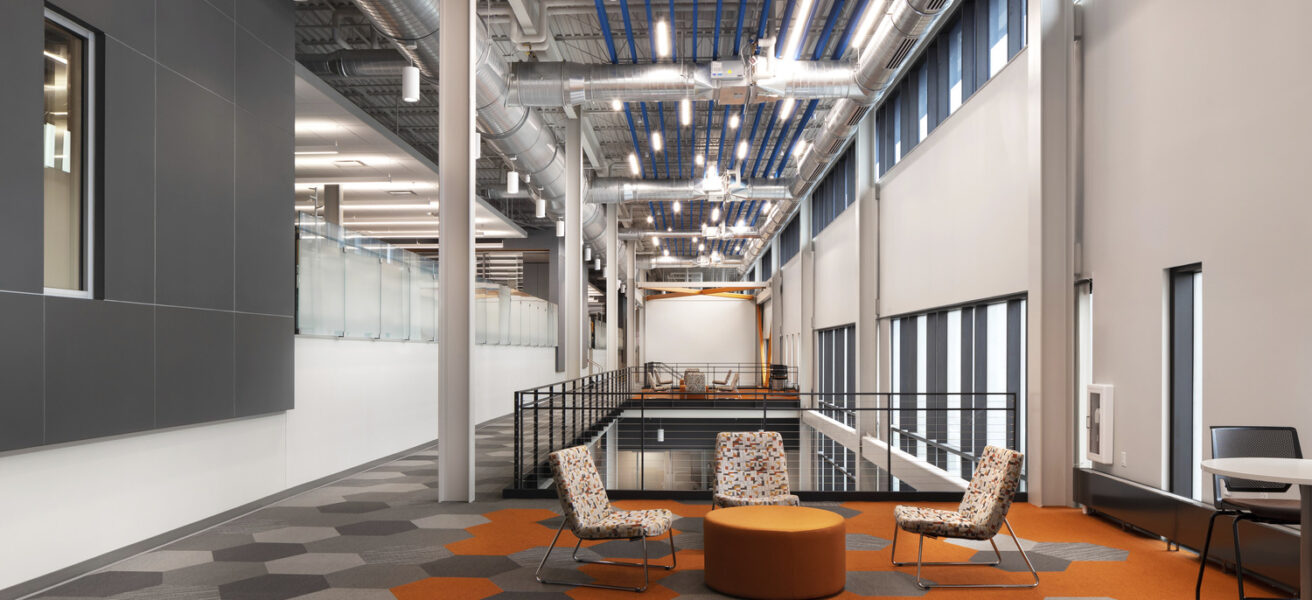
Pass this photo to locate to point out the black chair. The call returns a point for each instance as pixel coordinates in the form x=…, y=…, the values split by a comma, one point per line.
x=1242, y=442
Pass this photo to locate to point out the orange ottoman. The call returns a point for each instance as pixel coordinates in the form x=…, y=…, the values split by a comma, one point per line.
x=775, y=552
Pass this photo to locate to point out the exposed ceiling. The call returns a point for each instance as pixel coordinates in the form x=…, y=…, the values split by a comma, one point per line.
x=389, y=190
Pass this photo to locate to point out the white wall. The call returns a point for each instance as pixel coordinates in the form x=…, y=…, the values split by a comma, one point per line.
x=700, y=329
x=500, y=371
x=953, y=214
x=356, y=401
x=1196, y=150
x=837, y=264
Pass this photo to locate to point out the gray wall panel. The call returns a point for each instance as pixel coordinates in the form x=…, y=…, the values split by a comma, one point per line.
x=263, y=87
x=21, y=186
x=272, y=21
x=266, y=263
x=194, y=191
x=162, y=348
x=128, y=193
x=21, y=364
x=131, y=22
x=194, y=381
x=265, y=364
x=196, y=40
x=99, y=368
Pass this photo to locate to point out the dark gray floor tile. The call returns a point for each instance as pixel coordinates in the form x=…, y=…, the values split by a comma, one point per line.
x=108, y=583
x=273, y=587
x=259, y=552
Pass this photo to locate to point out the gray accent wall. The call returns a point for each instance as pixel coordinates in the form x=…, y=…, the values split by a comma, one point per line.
x=195, y=319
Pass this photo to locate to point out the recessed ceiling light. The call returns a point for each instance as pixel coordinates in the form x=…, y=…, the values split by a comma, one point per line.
x=349, y=163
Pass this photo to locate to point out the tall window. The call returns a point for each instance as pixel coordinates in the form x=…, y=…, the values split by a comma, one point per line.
x=977, y=42
x=834, y=193
x=958, y=382
x=766, y=267
x=1186, y=383
x=790, y=241
x=66, y=132
x=997, y=36
x=836, y=373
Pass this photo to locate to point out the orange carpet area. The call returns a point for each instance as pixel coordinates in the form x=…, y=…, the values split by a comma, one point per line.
x=1078, y=557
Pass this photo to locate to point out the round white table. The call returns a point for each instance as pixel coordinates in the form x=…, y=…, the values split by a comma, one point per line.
x=1294, y=471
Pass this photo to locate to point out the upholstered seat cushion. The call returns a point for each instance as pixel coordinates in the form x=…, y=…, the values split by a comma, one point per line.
x=939, y=523
x=725, y=500
x=627, y=524
x=1268, y=508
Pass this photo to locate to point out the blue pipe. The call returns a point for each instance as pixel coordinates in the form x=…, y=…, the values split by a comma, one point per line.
x=778, y=144
x=751, y=139
x=674, y=46
x=738, y=34
x=715, y=43
x=724, y=129
x=614, y=58
x=783, y=28
x=801, y=127
x=678, y=146
x=706, y=154
x=660, y=111
x=760, y=27
x=835, y=11
x=765, y=140
x=737, y=136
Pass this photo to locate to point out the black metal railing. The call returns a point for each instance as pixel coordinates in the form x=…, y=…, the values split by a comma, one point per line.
x=649, y=443
x=750, y=375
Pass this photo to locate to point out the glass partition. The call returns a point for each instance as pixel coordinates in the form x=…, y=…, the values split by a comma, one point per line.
x=363, y=288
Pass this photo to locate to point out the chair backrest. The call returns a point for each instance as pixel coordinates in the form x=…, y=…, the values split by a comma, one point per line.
x=582, y=495
x=750, y=463
x=733, y=382
x=997, y=476
x=727, y=375
x=1252, y=441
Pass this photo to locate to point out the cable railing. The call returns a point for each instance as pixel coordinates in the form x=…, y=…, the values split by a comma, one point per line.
x=751, y=375
x=847, y=445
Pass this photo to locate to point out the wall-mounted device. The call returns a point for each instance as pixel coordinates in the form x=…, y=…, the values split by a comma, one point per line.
x=1098, y=424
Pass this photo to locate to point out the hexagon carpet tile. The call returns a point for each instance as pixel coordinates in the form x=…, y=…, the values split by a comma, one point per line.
x=381, y=535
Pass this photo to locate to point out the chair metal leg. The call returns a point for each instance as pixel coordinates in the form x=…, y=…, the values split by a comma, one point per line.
x=1202, y=559
x=996, y=561
x=646, y=577
x=920, y=563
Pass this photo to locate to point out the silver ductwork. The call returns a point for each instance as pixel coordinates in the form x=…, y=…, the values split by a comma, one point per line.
x=517, y=133
x=804, y=80
x=607, y=190
x=896, y=34
x=682, y=235
x=558, y=84
x=669, y=262
x=355, y=63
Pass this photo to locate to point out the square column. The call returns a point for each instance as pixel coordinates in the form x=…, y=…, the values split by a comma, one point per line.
x=612, y=288
x=573, y=295
x=455, y=440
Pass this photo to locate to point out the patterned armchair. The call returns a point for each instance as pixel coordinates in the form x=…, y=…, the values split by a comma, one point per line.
x=590, y=516
x=750, y=469
x=982, y=514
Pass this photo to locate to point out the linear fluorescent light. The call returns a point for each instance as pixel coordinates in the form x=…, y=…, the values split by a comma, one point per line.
x=685, y=112
x=657, y=144
x=715, y=214
x=676, y=206
x=650, y=219
x=742, y=149
x=700, y=159
x=633, y=163
x=662, y=38
x=55, y=57
x=410, y=83
x=800, y=18
x=786, y=108
x=867, y=24
x=616, y=105
x=800, y=148
x=733, y=121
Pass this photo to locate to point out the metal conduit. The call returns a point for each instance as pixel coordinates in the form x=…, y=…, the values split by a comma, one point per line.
x=615, y=190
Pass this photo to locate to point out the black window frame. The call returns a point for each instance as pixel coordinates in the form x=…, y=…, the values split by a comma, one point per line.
x=1182, y=338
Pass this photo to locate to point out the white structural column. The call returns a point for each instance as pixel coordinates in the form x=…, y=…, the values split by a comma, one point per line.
x=612, y=287
x=456, y=270
x=1051, y=387
x=630, y=304
x=573, y=296
x=867, y=324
